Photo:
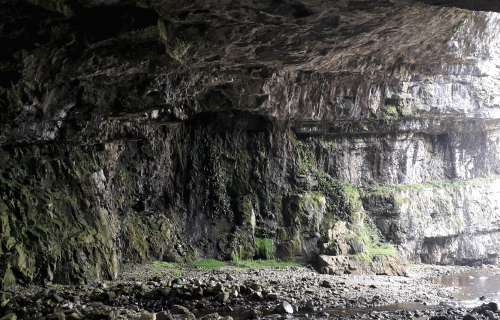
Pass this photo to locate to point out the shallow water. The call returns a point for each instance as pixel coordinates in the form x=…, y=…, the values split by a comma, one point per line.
x=473, y=285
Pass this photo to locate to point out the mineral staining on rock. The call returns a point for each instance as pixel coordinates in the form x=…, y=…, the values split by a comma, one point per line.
x=177, y=132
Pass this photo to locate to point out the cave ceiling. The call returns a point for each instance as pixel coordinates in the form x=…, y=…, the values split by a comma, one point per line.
x=78, y=60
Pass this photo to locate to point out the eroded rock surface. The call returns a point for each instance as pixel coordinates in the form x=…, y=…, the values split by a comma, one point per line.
x=159, y=130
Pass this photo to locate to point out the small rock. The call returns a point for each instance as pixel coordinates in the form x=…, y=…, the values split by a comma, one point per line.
x=176, y=309
x=133, y=307
x=110, y=295
x=56, y=316
x=327, y=284
x=57, y=298
x=234, y=294
x=469, y=317
x=148, y=316
x=197, y=293
x=257, y=295
x=164, y=315
x=10, y=316
x=272, y=296
x=229, y=277
x=75, y=316
x=251, y=314
x=310, y=290
x=104, y=315
x=223, y=297
x=219, y=288
x=284, y=307
x=188, y=315
x=96, y=304
x=4, y=303
x=255, y=286
x=212, y=316
x=310, y=306
x=493, y=306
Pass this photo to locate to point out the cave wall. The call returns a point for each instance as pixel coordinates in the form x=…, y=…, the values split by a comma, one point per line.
x=221, y=185
x=167, y=131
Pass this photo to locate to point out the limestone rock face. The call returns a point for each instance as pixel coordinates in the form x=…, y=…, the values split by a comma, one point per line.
x=166, y=130
x=392, y=264
x=441, y=223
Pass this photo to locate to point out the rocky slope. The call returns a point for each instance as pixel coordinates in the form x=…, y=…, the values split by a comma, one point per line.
x=165, y=131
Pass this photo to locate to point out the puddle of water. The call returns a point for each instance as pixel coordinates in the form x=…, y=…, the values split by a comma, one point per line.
x=473, y=284
x=407, y=306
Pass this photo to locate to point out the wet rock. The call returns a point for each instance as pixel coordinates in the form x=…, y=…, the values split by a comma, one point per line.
x=251, y=314
x=164, y=315
x=133, y=307
x=310, y=306
x=148, y=316
x=272, y=296
x=284, y=307
x=197, y=293
x=10, y=316
x=57, y=316
x=327, y=284
x=211, y=316
x=75, y=316
x=188, y=315
x=257, y=296
x=333, y=264
x=57, y=298
x=493, y=306
x=104, y=315
x=223, y=297
x=176, y=309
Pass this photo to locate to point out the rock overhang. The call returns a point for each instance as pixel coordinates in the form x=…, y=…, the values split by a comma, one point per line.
x=311, y=61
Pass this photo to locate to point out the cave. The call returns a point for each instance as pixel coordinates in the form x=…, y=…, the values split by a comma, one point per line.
x=159, y=131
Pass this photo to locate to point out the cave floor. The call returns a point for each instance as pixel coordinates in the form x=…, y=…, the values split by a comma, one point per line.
x=161, y=291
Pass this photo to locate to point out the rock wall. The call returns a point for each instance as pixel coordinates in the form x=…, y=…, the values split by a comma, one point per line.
x=440, y=222
x=167, y=131
x=222, y=185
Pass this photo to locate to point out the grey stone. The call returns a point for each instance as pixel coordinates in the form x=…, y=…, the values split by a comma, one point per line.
x=251, y=314
x=164, y=315
x=176, y=309
x=223, y=297
x=10, y=316
x=148, y=316
x=284, y=307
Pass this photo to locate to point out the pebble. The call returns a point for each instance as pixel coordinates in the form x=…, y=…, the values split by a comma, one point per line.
x=244, y=294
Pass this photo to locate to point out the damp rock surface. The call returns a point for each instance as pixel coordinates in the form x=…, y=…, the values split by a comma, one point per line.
x=178, y=131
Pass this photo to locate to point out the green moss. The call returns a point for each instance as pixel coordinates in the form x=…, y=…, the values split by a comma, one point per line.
x=385, y=249
x=265, y=263
x=265, y=248
x=363, y=257
x=371, y=251
x=334, y=194
x=209, y=264
x=414, y=266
